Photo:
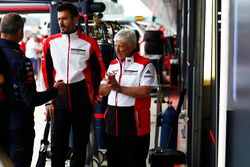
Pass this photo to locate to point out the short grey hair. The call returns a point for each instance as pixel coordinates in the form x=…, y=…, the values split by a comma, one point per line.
x=128, y=36
x=11, y=23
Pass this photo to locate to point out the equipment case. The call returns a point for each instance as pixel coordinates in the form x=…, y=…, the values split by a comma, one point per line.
x=159, y=157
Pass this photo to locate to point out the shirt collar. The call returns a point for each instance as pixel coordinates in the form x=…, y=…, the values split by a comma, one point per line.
x=10, y=44
x=71, y=35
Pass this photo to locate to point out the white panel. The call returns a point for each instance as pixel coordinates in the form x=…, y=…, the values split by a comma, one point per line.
x=223, y=83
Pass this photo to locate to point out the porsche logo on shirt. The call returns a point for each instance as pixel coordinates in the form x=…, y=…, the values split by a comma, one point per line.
x=130, y=72
x=77, y=51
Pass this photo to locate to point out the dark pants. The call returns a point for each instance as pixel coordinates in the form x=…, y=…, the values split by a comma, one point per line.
x=74, y=111
x=4, y=133
x=21, y=147
x=35, y=66
x=78, y=117
x=127, y=151
x=80, y=122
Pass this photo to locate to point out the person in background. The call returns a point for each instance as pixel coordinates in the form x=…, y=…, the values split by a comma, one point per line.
x=22, y=43
x=24, y=97
x=76, y=58
x=128, y=83
x=33, y=52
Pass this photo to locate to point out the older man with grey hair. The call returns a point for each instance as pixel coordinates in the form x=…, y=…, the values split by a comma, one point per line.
x=128, y=83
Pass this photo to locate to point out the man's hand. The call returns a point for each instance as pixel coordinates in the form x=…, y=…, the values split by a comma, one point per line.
x=104, y=89
x=112, y=81
x=111, y=78
x=60, y=86
x=97, y=101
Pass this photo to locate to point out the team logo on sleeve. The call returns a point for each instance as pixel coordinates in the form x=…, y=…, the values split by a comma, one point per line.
x=28, y=66
x=148, y=74
x=29, y=77
x=1, y=79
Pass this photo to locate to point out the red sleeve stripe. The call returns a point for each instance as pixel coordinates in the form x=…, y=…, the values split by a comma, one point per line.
x=98, y=116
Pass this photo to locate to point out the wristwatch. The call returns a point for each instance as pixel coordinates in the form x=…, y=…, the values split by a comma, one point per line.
x=118, y=88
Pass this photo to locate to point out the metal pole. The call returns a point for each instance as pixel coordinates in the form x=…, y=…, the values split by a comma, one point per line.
x=54, y=27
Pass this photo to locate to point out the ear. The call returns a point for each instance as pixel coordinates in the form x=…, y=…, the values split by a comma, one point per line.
x=20, y=33
x=75, y=20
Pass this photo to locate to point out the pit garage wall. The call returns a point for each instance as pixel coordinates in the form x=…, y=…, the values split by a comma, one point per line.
x=238, y=107
x=166, y=12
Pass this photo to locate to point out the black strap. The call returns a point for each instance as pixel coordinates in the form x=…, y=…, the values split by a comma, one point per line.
x=181, y=100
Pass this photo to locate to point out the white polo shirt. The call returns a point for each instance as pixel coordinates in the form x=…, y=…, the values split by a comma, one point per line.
x=133, y=71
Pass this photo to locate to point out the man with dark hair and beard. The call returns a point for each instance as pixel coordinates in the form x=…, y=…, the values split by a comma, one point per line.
x=76, y=59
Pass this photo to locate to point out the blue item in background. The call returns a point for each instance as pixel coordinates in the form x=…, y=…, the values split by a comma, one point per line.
x=100, y=126
x=169, y=128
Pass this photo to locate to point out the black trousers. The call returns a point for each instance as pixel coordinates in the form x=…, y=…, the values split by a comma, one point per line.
x=127, y=151
x=79, y=120
x=4, y=132
x=21, y=147
x=74, y=111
